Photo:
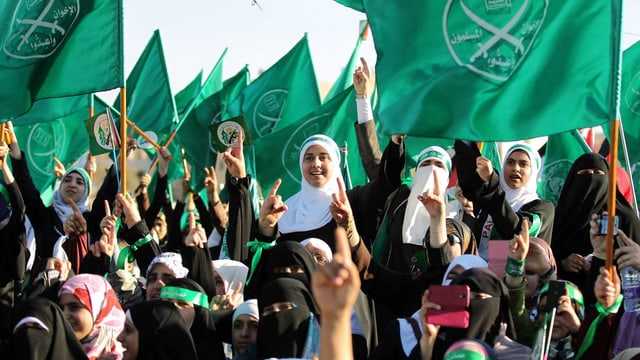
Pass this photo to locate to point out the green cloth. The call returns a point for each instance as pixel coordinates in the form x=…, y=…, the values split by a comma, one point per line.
x=281, y=95
x=58, y=48
x=494, y=70
x=186, y=97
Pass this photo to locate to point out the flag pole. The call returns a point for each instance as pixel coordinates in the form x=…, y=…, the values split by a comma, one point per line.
x=611, y=203
x=143, y=134
x=91, y=113
x=123, y=149
x=166, y=145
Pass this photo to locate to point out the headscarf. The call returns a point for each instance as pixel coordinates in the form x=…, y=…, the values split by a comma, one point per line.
x=171, y=260
x=61, y=207
x=286, y=253
x=583, y=195
x=485, y=315
x=96, y=294
x=126, y=287
x=309, y=208
x=5, y=204
x=249, y=307
x=232, y=273
x=51, y=338
x=287, y=333
x=470, y=349
x=527, y=193
x=467, y=262
x=319, y=244
x=416, y=217
x=162, y=332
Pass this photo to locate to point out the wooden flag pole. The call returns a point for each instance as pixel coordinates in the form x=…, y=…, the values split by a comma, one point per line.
x=166, y=145
x=611, y=202
x=123, y=149
x=143, y=134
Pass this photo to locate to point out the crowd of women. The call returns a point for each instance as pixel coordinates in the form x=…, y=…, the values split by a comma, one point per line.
x=328, y=273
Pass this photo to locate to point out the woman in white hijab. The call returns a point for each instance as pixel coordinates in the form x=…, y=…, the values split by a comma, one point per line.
x=306, y=214
x=503, y=200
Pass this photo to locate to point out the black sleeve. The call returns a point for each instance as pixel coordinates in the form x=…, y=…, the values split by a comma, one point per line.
x=145, y=254
x=205, y=218
x=34, y=207
x=13, y=238
x=174, y=232
x=198, y=261
x=159, y=200
x=240, y=229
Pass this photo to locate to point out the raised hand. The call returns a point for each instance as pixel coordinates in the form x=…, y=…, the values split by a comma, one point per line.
x=271, y=210
x=129, y=208
x=164, y=156
x=519, y=245
x=361, y=78
x=484, y=168
x=340, y=208
x=75, y=223
x=234, y=159
x=58, y=169
x=433, y=200
x=211, y=181
x=108, y=240
x=628, y=254
x=607, y=291
x=196, y=236
x=429, y=331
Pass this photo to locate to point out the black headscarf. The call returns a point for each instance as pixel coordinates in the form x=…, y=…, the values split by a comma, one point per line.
x=485, y=315
x=286, y=253
x=58, y=342
x=283, y=334
x=582, y=196
x=162, y=332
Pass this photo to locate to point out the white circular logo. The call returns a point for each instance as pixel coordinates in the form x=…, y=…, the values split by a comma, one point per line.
x=555, y=174
x=268, y=111
x=492, y=37
x=38, y=28
x=45, y=141
x=142, y=143
x=632, y=95
x=102, y=133
x=229, y=132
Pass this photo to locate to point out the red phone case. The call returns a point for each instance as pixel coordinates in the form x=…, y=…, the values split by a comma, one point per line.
x=453, y=300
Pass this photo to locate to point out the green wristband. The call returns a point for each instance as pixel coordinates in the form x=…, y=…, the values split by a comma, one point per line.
x=514, y=268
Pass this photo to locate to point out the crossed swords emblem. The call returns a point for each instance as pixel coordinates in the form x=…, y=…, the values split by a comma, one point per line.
x=498, y=33
x=39, y=22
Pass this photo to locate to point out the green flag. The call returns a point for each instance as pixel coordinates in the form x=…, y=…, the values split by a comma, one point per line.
x=150, y=104
x=54, y=108
x=214, y=82
x=277, y=154
x=194, y=134
x=102, y=132
x=630, y=112
x=490, y=151
x=282, y=94
x=494, y=70
x=57, y=48
x=346, y=76
x=64, y=138
x=186, y=97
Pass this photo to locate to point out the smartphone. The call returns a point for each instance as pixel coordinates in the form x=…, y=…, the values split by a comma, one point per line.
x=602, y=222
x=454, y=301
x=556, y=290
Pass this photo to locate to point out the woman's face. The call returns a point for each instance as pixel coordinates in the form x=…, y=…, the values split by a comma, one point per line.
x=72, y=187
x=129, y=340
x=517, y=170
x=244, y=332
x=78, y=316
x=220, y=287
x=317, y=166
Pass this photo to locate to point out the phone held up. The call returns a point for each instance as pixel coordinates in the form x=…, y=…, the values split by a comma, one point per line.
x=454, y=301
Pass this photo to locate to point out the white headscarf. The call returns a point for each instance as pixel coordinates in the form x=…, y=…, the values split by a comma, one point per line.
x=61, y=207
x=309, y=208
x=467, y=261
x=319, y=244
x=232, y=273
x=519, y=197
x=416, y=218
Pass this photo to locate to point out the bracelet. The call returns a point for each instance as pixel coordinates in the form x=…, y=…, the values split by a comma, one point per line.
x=514, y=268
x=361, y=96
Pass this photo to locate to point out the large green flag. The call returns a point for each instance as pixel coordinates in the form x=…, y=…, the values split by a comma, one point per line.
x=562, y=150
x=186, y=97
x=57, y=48
x=194, y=134
x=346, y=76
x=277, y=154
x=150, y=103
x=282, y=94
x=54, y=108
x=630, y=112
x=64, y=138
x=494, y=70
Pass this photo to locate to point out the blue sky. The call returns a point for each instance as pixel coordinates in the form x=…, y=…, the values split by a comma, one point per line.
x=195, y=32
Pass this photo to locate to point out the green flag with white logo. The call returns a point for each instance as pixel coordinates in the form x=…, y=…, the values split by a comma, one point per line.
x=278, y=154
x=150, y=103
x=561, y=151
x=282, y=94
x=103, y=135
x=494, y=70
x=194, y=134
x=56, y=48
